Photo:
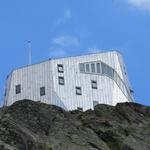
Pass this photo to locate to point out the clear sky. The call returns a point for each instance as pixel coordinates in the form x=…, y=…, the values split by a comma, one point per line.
x=70, y=27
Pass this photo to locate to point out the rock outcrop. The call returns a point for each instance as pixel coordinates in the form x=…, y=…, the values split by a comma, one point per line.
x=28, y=125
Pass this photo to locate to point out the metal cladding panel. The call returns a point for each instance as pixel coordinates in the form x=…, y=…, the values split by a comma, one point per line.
x=73, y=78
x=46, y=74
x=118, y=96
x=31, y=78
x=7, y=89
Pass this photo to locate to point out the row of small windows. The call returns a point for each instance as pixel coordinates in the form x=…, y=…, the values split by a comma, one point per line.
x=104, y=69
x=79, y=89
x=98, y=67
x=61, y=82
x=18, y=90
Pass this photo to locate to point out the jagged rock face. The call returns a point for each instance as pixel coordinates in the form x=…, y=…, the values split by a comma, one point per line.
x=28, y=125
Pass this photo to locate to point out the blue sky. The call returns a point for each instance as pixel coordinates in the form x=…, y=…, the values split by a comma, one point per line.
x=70, y=27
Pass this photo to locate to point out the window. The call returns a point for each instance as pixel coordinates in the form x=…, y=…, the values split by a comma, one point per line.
x=94, y=84
x=107, y=70
x=82, y=67
x=61, y=80
x=87, y=68
x=104, y=68
x=18, y=89
x=78, y=91
x=42, y=91
x=60, y=68
x=93, y=67
x=80, y=108
x=98, y=67
x=95, y=103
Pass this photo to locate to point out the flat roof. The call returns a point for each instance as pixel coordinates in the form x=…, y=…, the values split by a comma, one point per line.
x=86, y=54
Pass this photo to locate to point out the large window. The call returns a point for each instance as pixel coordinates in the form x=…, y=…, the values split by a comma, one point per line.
x=61, y=80
x=78, y=91
x=87, y=68
x=94, y=84
x=60, y=68
x=98, y=67
x=82, y=67
x=107, y=70
x=93, y=67
x=42, y=91
x=18, y=89
x=101, y=68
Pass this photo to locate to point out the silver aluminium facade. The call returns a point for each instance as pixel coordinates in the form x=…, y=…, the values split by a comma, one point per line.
x=78, y=82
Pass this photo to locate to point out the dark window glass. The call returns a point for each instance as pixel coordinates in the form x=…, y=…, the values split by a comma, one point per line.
x=93, y=67
x=98, y=67
x=61, y=80
x=94, y=84
x=95, y=103
x=42, y=91
x=78, y=91
x=80, y=109
x=87, y=68
x=60, y=68
x=18, y=89
x=107, y=70
x=104, y=68
x=82, y=67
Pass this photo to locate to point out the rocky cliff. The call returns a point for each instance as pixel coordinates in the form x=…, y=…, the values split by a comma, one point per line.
x=28, y=125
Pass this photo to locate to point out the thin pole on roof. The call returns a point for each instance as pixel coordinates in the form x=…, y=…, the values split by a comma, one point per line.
x=30, y=53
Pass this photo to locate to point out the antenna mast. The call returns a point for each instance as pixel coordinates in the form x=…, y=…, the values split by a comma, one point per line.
x=30, y=53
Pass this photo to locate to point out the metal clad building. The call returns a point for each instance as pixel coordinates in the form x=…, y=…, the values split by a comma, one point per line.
x=78, y=82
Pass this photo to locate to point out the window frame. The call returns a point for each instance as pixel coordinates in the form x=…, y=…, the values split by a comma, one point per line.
x=93, y=67
x=87, y=68
x=42, y=91
x=60, y=66
x=78, y=88
x=61, y=78
x=82, y=67
x=18, y=89
x=92, y=83
x=98, y=67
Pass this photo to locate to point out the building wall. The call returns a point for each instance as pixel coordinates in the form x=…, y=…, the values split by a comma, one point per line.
x=108, y=91
x=46, y=74
x=31, y=79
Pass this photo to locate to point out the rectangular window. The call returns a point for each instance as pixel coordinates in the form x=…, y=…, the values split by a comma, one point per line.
x=82, y=67
x=60, y=68
x=95, y=103
x=93, y=67
x=104, y=68
x=80, y=108
x=107, y=70
x=78, y=91
x=61, y=80
x=111, y=72
x=98, y=67
x=42, y=91
x=87, y=68
x=94, y=84
x=18, y=89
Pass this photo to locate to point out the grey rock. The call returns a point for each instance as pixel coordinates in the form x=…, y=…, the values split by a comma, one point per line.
x=28, y=125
